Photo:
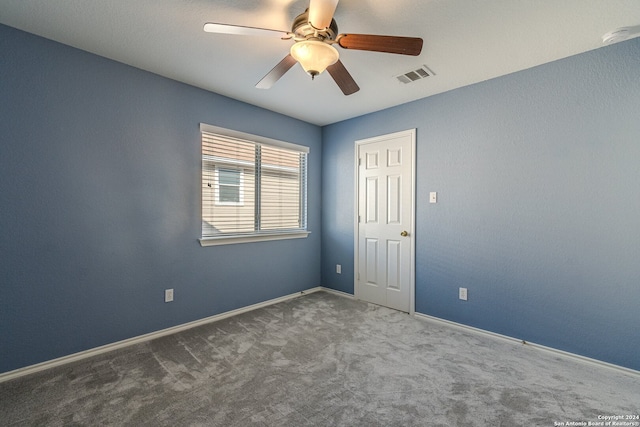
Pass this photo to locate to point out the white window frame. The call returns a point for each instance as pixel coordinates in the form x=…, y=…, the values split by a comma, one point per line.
x=261, y=236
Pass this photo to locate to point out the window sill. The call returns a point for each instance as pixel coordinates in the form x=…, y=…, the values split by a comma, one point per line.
x=216, y=241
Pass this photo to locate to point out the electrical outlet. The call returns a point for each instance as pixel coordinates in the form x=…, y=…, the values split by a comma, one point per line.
x=168, y=295
x=338, y=269
x=462, y=294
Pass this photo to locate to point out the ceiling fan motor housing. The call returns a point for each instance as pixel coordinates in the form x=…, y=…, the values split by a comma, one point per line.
x=303, y=29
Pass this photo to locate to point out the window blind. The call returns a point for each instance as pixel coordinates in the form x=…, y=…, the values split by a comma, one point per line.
x=251, y=186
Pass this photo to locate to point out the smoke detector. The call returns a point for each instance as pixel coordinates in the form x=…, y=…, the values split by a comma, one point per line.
x=621, y=34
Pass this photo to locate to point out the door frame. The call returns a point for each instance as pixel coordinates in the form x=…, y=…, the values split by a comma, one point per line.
x=356, y=228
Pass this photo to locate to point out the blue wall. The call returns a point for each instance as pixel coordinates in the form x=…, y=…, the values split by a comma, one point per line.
x=538, y=213
x=538, y=210
x=100, y=204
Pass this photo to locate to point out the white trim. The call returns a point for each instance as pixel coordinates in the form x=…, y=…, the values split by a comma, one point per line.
x=251, y=238
x=565, y=354
x=146, y=337
x=512, y=340
x=414, y=168
x=252, y=138
x=412, y=232
x=28, y=370
x=356, y=220
x=339, y=293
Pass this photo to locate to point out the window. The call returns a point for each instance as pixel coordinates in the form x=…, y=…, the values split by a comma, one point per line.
x=230, y=187
x=253, y=188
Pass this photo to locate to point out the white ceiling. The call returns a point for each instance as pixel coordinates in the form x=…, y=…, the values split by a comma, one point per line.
x=465, y=41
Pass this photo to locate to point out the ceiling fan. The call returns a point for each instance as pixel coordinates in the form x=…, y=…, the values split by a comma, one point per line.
x=315, y=33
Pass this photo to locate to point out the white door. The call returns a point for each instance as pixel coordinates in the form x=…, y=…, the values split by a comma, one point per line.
x=385, y=220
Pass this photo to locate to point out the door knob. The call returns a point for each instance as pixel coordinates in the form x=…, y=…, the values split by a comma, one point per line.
x=404, y=234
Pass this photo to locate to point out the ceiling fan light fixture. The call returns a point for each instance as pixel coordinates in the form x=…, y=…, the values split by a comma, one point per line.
x=314, y=56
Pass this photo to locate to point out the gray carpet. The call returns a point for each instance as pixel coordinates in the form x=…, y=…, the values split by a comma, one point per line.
x=321, y=360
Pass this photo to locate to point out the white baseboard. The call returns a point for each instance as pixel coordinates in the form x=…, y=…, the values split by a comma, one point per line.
x=540, y=347
x=335, y=292
x=562, y=353
x=27, y=370
x=175, y=329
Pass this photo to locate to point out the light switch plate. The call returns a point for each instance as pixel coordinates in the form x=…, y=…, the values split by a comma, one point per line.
x=168, y=295
x=462, y=294
x=433, y=197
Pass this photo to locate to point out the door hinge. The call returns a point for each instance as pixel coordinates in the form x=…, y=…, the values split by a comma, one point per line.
x=360, y=161
x=359, y=219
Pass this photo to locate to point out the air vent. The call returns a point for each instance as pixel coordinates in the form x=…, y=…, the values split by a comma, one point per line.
x=415, y=75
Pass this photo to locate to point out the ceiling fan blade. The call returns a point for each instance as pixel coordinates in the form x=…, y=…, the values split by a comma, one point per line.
x=342, y=78
x=277, y=72
x=388, y=44
x=211, y=27
x=321, y=13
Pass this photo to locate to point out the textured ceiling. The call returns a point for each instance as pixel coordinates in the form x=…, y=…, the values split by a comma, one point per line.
x=465, y=41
